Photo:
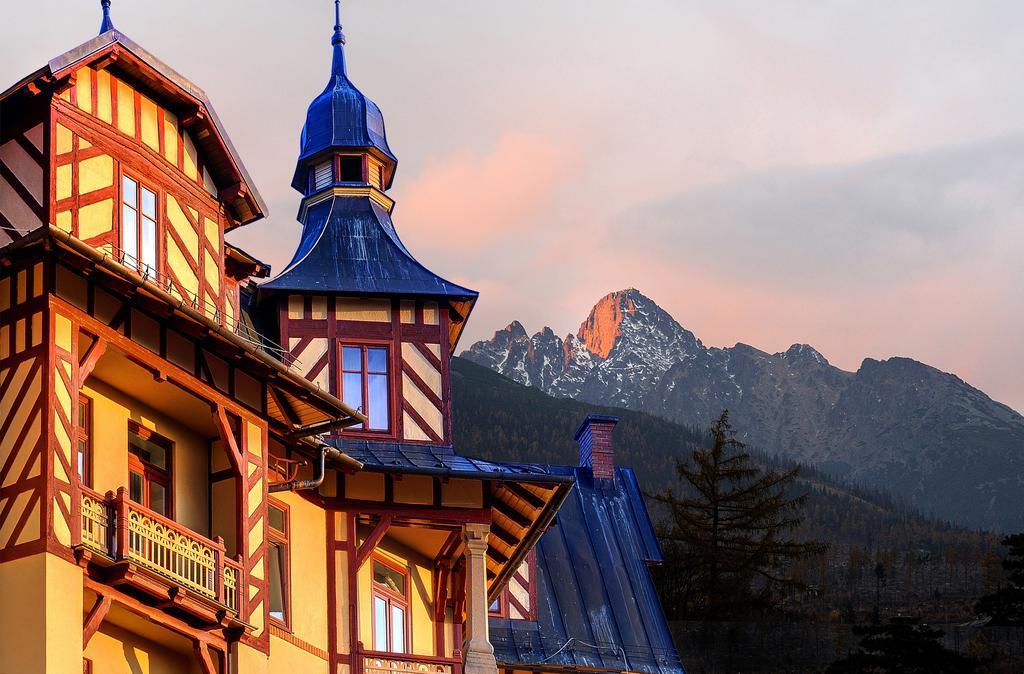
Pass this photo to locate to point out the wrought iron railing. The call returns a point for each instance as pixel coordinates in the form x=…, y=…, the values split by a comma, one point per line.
x=236, y=323
x=123, y=530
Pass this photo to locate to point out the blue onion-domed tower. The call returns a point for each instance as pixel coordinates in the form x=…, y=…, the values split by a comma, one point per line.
x=358, y=314
x=342, y=118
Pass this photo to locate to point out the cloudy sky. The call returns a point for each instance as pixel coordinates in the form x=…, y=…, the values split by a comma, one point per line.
x=844, y=174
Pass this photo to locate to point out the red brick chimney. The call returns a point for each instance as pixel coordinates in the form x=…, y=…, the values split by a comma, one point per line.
x=596, y=450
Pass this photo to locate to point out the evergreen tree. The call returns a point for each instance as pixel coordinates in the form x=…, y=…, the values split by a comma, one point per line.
x=1005, y=606
x=902, y=647
x=728, y=536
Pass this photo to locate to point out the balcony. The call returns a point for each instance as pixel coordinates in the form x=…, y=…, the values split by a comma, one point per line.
x=375, y=662
x=134, y=546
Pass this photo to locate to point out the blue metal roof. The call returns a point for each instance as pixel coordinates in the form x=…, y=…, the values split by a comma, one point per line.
x=349, y=245
x=341, y=117
x=596, y=603
x=441, y=460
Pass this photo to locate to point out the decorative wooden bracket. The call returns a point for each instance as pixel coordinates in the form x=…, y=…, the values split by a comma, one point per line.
x=372, y=540
x=95, y=618
x=227, y=436
x=89, y=360
x=440, y=593
x=107, y=60
x=236, y=191
x=202, y=651
x=197, y=116
x=283, y=405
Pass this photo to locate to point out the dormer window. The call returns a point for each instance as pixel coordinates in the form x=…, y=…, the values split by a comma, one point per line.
x=322, y=175
x=351, y=168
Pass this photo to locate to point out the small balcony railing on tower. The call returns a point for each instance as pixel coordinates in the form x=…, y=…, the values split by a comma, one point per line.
x=122, y=530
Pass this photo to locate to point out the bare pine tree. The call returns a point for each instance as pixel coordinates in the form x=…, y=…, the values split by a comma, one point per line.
x=728, y=536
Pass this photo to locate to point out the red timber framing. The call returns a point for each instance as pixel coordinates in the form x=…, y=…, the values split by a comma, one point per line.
x=348, y=551
x=171, y=93
x=253, y=451
x=449, y=587
x=314, y=333
x=218, y=639
x=523, y=583
x=95, y=618
x=515, y=513
x=26, y=468
x=61, y=313
x=91, y=139
x=42, y=333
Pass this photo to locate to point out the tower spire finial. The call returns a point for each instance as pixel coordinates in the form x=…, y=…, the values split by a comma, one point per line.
x=338, y=67
x=107, y=24
x=339, y=37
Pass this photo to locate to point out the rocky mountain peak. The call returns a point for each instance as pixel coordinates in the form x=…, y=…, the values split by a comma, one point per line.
x=897, y=423
x=631, y=318
x=514, y=329
x=604, y=324
x=804, y=353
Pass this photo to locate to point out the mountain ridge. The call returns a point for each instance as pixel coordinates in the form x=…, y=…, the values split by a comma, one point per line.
x=896, y=423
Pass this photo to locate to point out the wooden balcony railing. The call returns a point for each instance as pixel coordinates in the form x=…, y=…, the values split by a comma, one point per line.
x=375, y=662
x=122, y=530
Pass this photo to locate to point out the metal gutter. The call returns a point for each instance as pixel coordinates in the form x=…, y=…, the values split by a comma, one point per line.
x=472, y=474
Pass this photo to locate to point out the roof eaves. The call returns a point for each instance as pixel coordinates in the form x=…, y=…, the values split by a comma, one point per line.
x=278, y=369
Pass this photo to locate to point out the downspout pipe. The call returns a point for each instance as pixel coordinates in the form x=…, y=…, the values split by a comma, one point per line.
x=320, y=470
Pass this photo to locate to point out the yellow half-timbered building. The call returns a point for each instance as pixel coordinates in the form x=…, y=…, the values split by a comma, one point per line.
x=205, y=471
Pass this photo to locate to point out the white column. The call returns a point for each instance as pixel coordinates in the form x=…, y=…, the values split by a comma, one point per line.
x=479, y=652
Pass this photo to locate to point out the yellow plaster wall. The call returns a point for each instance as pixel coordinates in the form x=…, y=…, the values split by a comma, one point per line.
x=248, y=660
x=94, y=174
x=349, y=309
x=117, y=651
x=462, y=493
x=287, y=658
x=40, y=615
x=423, y=405
x=420, y=572
x=341, y=595
x=150, y=130
x=112, y=409
x=148, y=122
x=308, y=558
x=183, y=263
x=95, y=219
x=110, y=87
x=365, y=486
x=415, y=489
x=224, y=507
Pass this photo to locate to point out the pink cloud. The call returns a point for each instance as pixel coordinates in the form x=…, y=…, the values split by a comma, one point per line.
x=468, y=199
